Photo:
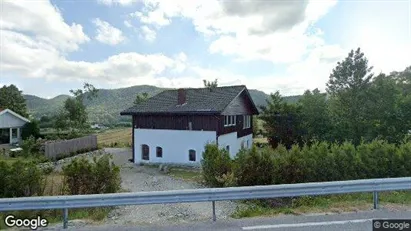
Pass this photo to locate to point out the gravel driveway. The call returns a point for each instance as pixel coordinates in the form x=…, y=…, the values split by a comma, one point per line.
x=143, y=178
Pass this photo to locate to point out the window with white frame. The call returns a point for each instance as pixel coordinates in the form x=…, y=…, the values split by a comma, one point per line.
x=246, y=121
x=230, y=120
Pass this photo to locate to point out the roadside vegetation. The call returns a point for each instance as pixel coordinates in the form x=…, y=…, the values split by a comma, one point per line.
x=319, y=162
x=358, y=129
x=80, y=176
x=27, y=173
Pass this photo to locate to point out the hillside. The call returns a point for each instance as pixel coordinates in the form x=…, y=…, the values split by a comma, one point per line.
x=108, y=104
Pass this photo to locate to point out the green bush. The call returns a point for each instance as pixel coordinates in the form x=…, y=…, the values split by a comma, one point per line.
x=31, y=129
x=215, y=163
x=347, y=161
x=21, y=179
x=30, y=147
x=253, y=167
x=82, y=176
x=318, y=162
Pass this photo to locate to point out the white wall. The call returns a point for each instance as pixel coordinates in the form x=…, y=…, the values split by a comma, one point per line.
x=175, y=144
x=231, y=140
x=234, y=142
x=244, y=139
x=8, y=120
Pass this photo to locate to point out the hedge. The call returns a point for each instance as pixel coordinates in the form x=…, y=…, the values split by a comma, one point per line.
x=318, y=162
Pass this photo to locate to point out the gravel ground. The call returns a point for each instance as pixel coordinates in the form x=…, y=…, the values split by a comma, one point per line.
x=143, y=178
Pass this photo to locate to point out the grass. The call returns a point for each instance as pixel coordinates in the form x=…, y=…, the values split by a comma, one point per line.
x=11, y=160
x=187, y=175
x=120, y=137
x=54, y=186
x=56, y=215
x=321, y=204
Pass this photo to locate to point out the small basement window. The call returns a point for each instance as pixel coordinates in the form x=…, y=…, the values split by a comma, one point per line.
x=145, y=152
x=159, y=152
x=192, y=155
x=227, y=148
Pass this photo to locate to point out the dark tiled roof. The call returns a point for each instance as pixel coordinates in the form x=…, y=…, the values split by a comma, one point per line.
x=198, y=100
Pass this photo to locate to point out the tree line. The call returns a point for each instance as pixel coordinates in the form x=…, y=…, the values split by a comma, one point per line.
x=72, y=116
x=358, y=106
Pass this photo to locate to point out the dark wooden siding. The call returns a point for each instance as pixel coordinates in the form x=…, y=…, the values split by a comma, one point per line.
x=241, y=105
x=176, y=122
x=237, y=128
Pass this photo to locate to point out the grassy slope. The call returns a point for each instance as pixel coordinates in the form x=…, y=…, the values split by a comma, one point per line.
x=321, y=204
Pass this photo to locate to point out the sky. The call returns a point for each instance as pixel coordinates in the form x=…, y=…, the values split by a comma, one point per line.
x=50, y=47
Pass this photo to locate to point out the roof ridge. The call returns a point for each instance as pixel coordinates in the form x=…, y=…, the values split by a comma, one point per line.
x=198, y=100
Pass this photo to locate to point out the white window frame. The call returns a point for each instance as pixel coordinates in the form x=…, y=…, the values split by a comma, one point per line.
x=230, y=120
x=246, y=121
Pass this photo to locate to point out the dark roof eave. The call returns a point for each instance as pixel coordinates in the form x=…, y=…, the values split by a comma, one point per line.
x=172, y=113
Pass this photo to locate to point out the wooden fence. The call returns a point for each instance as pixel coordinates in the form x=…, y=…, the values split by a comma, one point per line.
x=56, y=149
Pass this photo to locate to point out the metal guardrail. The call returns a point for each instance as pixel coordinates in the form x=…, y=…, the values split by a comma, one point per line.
x=204, y=195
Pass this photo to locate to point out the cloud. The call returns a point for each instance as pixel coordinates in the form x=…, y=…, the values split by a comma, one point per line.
x=117, y=2
x=30, y=47
x=45, y=22
x=267, y=14
x=116, y=69
x=148, y=34
x=155, y=18
x=32, y=55
x=128, y=24
x=276, y=31
x=108, y=34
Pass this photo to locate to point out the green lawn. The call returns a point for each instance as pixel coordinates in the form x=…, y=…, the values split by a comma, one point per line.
x=320, y=204
x=11, y=160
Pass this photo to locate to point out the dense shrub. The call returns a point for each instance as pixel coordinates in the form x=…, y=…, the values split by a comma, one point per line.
x=82, y=176
x=31, y=129
x=31, y=147
x=20, y=179
x=252, y=167
x=215, y=163
x=318, y=162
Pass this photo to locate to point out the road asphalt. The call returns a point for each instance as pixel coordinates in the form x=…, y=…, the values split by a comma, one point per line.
x=360, y=221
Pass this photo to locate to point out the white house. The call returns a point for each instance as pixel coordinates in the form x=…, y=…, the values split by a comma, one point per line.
x=11, y=124
x=175, y=125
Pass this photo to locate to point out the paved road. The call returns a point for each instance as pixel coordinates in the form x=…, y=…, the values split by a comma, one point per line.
x=360, y=221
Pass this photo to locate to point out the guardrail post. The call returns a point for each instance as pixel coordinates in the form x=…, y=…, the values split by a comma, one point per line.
x=214, y=216
x=375, y=198
x=65, y=218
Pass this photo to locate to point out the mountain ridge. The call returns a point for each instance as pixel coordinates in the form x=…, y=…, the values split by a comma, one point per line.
x=108, y=104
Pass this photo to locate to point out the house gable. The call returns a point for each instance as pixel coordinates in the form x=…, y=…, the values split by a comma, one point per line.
x=10, y=119
x=241, y=105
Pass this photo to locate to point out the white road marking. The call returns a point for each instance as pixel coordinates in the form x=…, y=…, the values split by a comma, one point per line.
x=307, y=224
